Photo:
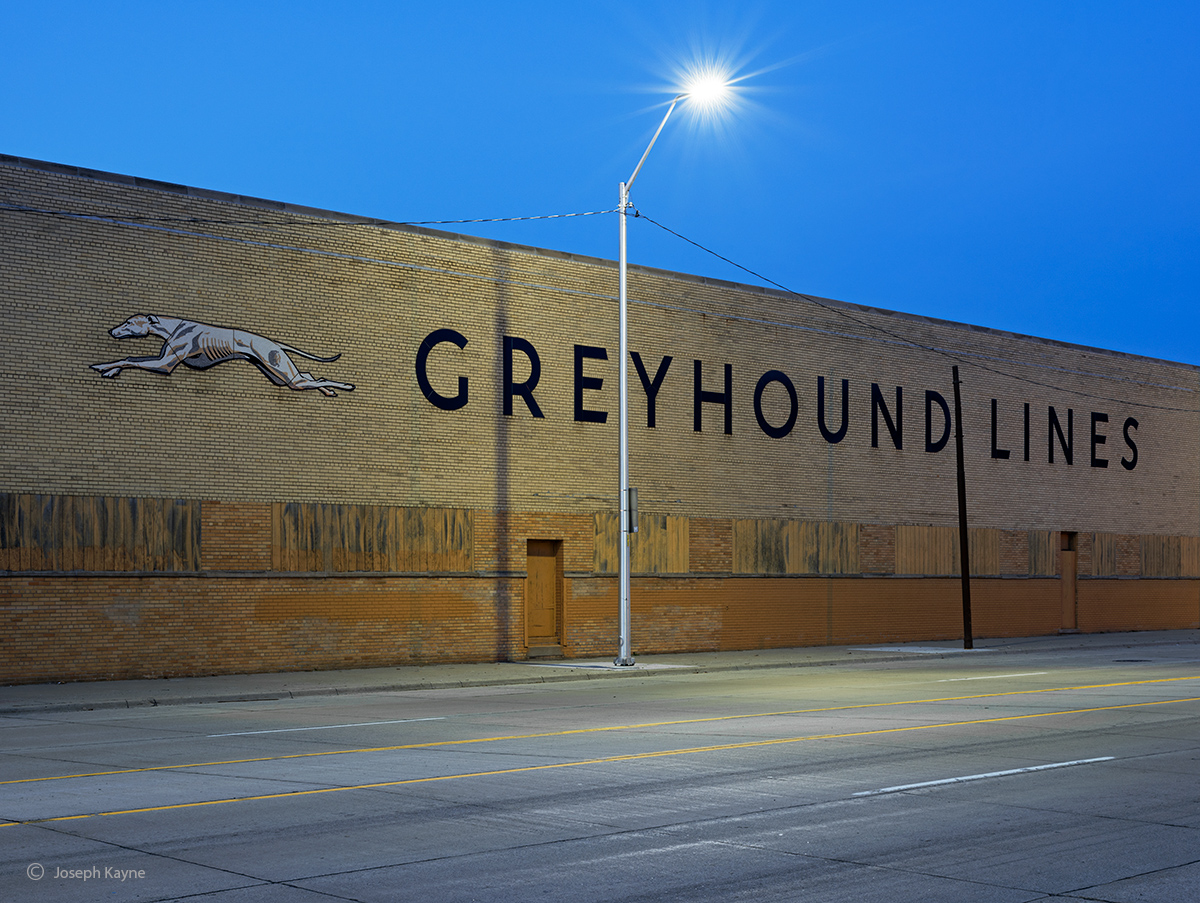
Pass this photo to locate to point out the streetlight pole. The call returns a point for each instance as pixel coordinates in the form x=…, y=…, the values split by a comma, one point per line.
x=628, y=514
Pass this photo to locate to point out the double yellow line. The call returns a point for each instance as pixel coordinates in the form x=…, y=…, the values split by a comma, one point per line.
x=628, y=757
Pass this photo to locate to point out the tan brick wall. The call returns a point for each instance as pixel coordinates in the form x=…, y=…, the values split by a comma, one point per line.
x=171, y=626
x=501, y=538
x=87, y=628
x=1109, y=605
x=214, y=457
x=877, y=548
x=710, y=545
x=235, y=536
x=374, y=294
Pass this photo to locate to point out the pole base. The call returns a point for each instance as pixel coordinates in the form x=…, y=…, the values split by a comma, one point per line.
x=623, y=662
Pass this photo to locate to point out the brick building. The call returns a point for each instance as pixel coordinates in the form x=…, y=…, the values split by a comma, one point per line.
x=186, y=490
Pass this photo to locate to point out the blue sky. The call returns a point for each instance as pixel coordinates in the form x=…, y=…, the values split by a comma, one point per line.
x=1029, y=166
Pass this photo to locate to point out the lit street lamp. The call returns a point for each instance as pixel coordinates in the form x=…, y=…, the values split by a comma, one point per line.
x=708, y=90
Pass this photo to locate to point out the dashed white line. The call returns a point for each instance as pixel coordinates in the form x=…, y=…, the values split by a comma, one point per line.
x=980, y=777
x=948, y=680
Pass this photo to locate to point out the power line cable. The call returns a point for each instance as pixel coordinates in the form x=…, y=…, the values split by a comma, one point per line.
x=16, y=208
x=906, y=340
x=379, y=223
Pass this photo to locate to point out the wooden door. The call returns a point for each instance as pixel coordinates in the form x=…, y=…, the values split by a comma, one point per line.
x=542, y=590
x=1069, y=565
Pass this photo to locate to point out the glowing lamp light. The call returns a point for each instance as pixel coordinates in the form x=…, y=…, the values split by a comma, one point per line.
x=708, y=91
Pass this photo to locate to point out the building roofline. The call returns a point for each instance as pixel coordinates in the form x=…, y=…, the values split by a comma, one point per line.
x=320, y=213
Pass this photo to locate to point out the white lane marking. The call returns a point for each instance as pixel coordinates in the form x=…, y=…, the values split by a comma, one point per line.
x=980, y=777
x=324, y=727
x=948, y=680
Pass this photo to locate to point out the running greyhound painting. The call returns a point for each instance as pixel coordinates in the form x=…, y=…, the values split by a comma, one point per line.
x=200, y=346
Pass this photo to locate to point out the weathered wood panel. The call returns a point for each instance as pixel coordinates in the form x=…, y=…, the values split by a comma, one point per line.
x=660, y=546
x=839, y=548
x=374, y=538
x=984, y=551
x=62, y=533
x=1043, y=553
x=1189, y=556
x=1104, y=555
x=785, y=546
x=934, y=551
x=1162, y=556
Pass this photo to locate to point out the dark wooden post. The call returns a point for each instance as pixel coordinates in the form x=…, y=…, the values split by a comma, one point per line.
x=964, y=548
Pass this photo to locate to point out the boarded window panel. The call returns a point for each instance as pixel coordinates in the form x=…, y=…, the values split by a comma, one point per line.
x=784, y=546
x=120, y=518
x=370, y=538
x=934, y=551
x=178, y=545
x=1189, y=556
x=415, y=547
x=154, y=531
x=60, y=521
x=83, y=541
x=9, y=545
x=435, y=539
x=926, y=550
x=425, y=537
x=1043, y=553
x=283, y=544
x=678, y=543
x=391, y=529
x=804, y=549
x=134, y=534
x=985, y=552
x=772, y=546
x=353, y=520
x=606, y=547
x=909, y=546
x=341, y=538
x=838, y=548
x=1162, y=556
x=759, y=547
x=659, y=547
x=38, y=527
x=373, y=518
x=449, y=538
x=745, y=547
x=647, y=549
x=312, y=530
x=1104, y=554
x=460, y=540
x=62, y=533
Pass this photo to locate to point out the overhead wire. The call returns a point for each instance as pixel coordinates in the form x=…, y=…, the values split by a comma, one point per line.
x=835, y=309
x=379, y=223
x=907, y=340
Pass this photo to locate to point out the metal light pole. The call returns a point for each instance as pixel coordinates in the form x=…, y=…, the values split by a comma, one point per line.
x=628, y=515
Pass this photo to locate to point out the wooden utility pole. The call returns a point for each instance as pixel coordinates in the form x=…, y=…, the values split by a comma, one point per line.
x=964, y=547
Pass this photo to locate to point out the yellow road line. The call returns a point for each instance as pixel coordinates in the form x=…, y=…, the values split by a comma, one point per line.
x=627, y=757
x=589, y=730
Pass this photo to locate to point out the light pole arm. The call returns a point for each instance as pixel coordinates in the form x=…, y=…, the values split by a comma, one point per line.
x=638, y=168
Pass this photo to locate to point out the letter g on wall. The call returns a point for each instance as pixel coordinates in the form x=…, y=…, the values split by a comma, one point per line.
x=431, y=341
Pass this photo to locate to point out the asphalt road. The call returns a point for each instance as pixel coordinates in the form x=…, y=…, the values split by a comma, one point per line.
x=1044, y=775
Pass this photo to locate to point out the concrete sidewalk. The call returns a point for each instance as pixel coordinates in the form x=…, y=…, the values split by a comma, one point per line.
x=86, y=696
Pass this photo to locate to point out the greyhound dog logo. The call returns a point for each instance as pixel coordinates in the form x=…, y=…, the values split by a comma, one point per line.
x=201, y=346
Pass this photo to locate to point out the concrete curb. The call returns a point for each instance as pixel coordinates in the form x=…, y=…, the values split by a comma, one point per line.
x=149, y=693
